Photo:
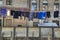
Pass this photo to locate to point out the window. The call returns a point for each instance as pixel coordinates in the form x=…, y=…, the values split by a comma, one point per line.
x=1, y=2
x=56, y=14
x=44, y=0
x=8, y=2
x=56, y=6
x=45, y=7
x=33, y=5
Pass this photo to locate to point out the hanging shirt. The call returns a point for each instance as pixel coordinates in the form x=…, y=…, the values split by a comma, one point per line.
x=22, y=13
x=48, y=15
x=19, y=13
x=12, y=11
x=56, y=14
x=35, y=14
x=15, y=14
x=41, y=15
x=31, y=15
x=27, y=14
x=3, y=11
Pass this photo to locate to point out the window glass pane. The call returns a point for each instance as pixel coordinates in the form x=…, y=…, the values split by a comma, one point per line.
x=8, y=2
x=44, y=0
x=56, y=6
x=33, y=5
x=1, y=2
x=45, y=7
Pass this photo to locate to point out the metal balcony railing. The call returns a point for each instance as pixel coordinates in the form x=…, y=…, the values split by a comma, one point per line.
x=31, y=33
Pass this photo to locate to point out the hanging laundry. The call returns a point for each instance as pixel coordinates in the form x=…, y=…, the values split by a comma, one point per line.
x=48, y=14
x=3, y=11
x=31, y=15
x=56, y=14
x=19, y=13
x=27, y=14
x=15, y=14
x=35, y=14
x=41, y=15
x=22, y=13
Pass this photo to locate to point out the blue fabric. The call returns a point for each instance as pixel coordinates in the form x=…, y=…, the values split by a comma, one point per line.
x=40, y=15
x=44, y=14
x=3, y=11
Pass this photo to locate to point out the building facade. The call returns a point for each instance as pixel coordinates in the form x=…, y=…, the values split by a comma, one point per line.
x=52, y=7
